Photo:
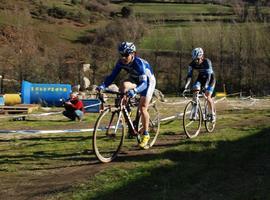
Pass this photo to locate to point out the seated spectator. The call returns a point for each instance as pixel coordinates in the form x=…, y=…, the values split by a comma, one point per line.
x=74, y=108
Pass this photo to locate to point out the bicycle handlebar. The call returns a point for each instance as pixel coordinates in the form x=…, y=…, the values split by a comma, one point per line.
x=113, y=92
x=108, y=91
x=201, y=93
x=184, y=93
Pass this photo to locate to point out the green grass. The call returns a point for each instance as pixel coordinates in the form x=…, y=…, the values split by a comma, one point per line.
x=232, y=163
x=180, y=12
x=19, y=156
x=40, y=152
x=169, y=23
x=181, y=9
x=165, y=36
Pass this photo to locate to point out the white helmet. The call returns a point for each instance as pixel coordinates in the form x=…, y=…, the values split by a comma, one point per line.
x=197, y=53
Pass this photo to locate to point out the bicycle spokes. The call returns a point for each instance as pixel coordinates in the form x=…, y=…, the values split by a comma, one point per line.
x=189, y=123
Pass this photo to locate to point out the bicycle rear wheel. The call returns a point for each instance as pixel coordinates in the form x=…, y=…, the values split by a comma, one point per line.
x=209, y=125
x=191, y=121
x=108, y=135
x=154, y=124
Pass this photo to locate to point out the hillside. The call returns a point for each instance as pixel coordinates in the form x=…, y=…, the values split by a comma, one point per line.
x=48, y=41
x=34, y=33
x=61, y=19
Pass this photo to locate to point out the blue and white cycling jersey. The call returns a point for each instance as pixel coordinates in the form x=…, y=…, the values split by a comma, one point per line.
x=140, y=72
x=205, y=68
x=206, y=77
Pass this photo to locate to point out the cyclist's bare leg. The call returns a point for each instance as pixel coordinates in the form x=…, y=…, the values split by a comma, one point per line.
x=210, y=102
x=144, y=103
x=127, y=85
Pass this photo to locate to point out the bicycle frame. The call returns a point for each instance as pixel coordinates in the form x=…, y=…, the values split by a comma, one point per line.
x=122, y=101
x=194, y=115
x=196, y=100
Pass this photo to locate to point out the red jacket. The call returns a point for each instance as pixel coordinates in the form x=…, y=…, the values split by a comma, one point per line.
x=76, y=104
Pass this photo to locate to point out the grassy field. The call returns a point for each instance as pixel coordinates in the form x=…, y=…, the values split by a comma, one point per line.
x=153, y=11
x=166, y=36
x=189, y=12
x=169, y=23
x=231, y=163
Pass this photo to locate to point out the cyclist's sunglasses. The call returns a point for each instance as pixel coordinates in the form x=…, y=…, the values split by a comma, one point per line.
x=124, y=54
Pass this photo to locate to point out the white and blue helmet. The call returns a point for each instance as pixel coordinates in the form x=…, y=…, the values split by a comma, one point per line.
x=197, y=53
x=126, y=48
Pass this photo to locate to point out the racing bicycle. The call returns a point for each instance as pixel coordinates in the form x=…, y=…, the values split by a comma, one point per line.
x=196, y=113
x=114, y=121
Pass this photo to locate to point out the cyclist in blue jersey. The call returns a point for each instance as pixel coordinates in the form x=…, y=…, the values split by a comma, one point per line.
x=141, y=80
x=206, y=77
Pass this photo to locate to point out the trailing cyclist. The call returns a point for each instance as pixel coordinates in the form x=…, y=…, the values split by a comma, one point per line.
x=141, y=80
x=205, y=80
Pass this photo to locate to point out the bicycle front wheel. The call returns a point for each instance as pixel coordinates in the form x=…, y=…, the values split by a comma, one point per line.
x=192, y=120
x=108, y=135
x=208, y=123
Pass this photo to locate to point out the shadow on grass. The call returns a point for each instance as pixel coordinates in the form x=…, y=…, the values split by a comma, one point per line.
x=229, y=170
